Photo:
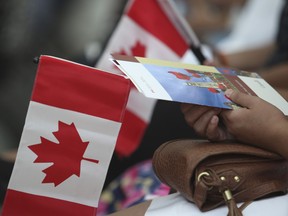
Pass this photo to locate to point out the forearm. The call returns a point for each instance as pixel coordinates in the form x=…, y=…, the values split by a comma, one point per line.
x=280, y=145
x=250, y=60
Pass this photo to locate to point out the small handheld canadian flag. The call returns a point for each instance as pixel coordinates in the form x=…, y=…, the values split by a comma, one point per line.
x=144, y=30
x=71, y=128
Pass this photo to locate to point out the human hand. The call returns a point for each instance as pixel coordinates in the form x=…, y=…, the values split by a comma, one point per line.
x=205, y=122
x=257, y=122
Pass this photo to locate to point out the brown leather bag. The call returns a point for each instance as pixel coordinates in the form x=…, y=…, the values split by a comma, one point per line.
x=212, y=174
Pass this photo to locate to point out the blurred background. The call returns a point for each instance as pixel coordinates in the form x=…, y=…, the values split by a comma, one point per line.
x=63, y=28
x=78, y=31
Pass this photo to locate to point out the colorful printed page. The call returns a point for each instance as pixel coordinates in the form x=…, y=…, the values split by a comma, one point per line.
x=195, y=84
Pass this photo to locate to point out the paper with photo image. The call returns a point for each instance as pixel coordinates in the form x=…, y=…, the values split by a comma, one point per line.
x=196, y=84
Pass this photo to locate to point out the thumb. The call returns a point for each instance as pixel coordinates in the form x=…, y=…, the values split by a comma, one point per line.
x=240, y=98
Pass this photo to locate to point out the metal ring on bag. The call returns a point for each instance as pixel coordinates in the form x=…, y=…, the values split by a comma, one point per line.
x=202, y=174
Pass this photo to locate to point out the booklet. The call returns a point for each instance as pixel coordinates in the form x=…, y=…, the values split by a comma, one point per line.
x=195, y=84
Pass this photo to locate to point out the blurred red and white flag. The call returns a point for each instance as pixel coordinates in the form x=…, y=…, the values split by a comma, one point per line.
x=144, y=30
x=72, y=124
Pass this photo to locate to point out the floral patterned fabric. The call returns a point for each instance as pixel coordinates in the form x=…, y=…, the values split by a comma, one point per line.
x=135, y=185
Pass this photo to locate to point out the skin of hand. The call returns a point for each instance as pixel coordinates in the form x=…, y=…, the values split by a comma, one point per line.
x=257, y=122
x=205, y=122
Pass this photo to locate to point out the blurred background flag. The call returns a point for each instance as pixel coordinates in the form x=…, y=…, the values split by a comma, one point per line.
x=146, y=30
x=70, y=132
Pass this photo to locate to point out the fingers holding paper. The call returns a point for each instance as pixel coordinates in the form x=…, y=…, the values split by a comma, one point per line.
x=205, y=121
x=255, y=122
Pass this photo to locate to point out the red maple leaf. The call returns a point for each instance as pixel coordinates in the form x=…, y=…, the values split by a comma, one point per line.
x=65, y=156
x=138, y=49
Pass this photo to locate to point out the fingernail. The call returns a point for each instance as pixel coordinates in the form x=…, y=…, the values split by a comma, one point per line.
x=228, y=92
x=214, y=120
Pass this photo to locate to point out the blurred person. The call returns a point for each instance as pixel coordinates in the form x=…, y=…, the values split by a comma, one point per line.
x=254, y=40
x=266, y=57
x=207, y=121
x=256, y=123
x=242, y=33
x=156, y=117
x=275, y=68
x=213, y=19
x=164, y=123
x=254, y=26
x=116, y=195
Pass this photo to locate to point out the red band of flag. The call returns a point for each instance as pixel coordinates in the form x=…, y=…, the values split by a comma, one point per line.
x=57, y=86
x=18, y=203
x=158, y=24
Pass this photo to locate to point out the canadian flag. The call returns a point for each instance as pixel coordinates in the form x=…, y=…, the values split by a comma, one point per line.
x=72, y=124
x=144, y=30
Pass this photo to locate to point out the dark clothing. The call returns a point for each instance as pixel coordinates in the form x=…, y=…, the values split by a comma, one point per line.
x=5, y=173
x=167, y=123
x=281, y=53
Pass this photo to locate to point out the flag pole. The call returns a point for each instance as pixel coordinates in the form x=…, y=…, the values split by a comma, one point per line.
x=183, y=27
x=198, y=53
